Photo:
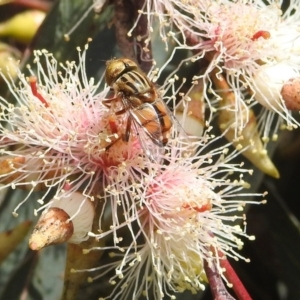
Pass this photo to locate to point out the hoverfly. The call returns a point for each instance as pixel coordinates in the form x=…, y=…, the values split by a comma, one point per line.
x=138, y=97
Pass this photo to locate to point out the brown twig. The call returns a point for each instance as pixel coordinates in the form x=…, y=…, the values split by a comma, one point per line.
x=143, y=42
x=216, y=283
x=123, y=17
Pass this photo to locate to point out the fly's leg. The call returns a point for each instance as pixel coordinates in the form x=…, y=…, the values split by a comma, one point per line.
x=109, y=102
x=125, y=137
x=112, y=123
x=114, y=129
x=128, y=129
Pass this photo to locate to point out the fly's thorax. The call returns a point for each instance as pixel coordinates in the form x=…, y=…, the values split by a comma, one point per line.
x=133, y=83
x=116, y=67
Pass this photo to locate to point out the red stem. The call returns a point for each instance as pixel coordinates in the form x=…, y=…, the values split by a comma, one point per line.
x=216, y=283
x=232, y=277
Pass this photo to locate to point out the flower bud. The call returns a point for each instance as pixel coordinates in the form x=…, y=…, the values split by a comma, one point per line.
x=52, y=228
x=10, y=239
x=268, y=84
x=68, y=219
x=8, y=53
x=291, y=94
x=192, y=120
x=249, y=140
x=23, y=26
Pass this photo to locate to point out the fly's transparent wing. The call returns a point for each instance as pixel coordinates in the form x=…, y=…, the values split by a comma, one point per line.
x=157, y=127
x=148, y=128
